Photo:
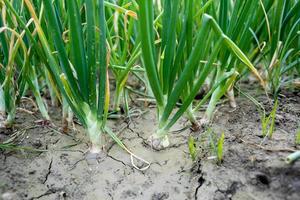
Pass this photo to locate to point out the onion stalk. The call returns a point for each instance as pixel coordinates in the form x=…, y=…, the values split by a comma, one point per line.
x=170, y=77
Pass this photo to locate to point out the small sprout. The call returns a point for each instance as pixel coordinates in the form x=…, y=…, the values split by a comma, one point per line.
x=220, y=148
x=217, y=146
x=298, y=137
x=268, y=122
x=192, y=148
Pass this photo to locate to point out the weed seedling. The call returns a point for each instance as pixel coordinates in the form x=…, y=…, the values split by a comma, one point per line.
x=192, y=148
x=297, y=140
x=216, y=145
x=268, y=122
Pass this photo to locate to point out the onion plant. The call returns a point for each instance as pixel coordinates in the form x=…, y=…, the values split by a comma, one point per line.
x=18, y=73
x=178, y=68
x=69, y=38
x=66, y=49
x=72, y=57
x=261, y=29
x=274, y=26
x=284, y=44
x=125, y=47
x=74, y=66
x=236, y=19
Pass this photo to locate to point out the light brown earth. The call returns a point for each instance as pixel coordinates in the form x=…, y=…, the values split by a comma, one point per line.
x=248, y=172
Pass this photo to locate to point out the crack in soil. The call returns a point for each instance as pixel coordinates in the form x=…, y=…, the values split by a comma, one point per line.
x=111, y=196
x=56, y=141
x=4, y=159
x=47, y=193
x=75, y=164
x=117, y=160
x=159, y=164
x=201, y=179
x=49, y=171
x=174, y=146
x=123, y=163
x=137, y=134
x=145, y=143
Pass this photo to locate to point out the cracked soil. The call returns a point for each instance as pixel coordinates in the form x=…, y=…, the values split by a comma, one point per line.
x=248, y=172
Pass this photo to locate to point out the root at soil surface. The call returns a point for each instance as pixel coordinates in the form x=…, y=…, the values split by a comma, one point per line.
x=94, y=158
x=204, y=122
x=196, y=126
x=158, y=143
